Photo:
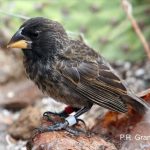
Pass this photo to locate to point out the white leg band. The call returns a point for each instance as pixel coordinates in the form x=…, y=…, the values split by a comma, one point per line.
x=71, y=120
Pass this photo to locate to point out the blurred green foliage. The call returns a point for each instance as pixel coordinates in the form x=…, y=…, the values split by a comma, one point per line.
x=104, y=23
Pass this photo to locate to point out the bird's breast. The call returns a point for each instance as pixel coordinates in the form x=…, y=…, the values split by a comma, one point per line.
x=44, y=77
x=51, y=83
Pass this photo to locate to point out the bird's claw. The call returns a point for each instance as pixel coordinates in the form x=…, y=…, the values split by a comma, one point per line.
x=50, y=115
x=82, y=121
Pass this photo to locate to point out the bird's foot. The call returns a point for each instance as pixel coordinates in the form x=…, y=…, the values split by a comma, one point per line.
x=60, y=126
x=67, y=125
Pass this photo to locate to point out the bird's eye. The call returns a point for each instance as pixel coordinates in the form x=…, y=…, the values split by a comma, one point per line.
x=35, y=34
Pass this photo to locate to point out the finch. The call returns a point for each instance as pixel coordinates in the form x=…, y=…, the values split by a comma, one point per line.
x=70, y=71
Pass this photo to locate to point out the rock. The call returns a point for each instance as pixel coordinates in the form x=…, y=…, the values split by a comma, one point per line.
x=139, y=137
x=17, y=95
x=28, y=120
x=10, y=68
x=64, y=141
x=140, y=72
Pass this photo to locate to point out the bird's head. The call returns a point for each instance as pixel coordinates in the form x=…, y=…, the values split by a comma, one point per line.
x=39, y=37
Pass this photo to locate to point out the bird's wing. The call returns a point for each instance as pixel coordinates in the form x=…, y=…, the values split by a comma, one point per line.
x=94, y=80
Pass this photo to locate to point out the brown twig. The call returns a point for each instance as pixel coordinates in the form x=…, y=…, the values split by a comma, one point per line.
x=128, y=9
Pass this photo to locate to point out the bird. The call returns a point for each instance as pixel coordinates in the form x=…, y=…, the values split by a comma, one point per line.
x=70, y=71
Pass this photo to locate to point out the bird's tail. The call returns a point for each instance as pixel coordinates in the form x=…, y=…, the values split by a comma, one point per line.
x=137, y=103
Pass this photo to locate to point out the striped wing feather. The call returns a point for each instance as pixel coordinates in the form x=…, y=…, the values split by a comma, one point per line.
x=95, y=82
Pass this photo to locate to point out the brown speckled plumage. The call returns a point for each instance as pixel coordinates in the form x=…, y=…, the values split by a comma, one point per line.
x=70, y=71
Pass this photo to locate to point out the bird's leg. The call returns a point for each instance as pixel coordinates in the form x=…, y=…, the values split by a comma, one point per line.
x=66, y=125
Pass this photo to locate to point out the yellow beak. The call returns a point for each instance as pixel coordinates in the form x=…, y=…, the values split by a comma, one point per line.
x=18, y=44
x=19, y=41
